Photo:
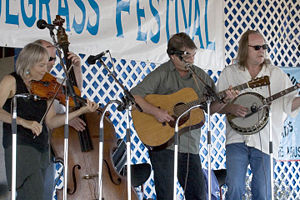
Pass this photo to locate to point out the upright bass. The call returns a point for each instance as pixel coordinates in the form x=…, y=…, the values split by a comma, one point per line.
x=84, y=148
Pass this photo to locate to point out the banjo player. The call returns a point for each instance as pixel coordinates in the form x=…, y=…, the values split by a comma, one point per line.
x=253, y=149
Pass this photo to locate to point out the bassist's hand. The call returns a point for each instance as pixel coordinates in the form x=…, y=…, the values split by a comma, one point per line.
x=78, y=124
x=162, y=115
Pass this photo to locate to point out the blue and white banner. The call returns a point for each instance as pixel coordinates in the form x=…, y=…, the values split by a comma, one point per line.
x=130, y=29
x=289, y=148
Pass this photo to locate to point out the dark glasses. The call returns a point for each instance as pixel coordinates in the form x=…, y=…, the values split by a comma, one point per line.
x=257, y=47
x=52, y=58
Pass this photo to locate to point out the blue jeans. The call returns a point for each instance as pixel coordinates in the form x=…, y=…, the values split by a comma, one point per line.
x=238, y=156
x=191, y=178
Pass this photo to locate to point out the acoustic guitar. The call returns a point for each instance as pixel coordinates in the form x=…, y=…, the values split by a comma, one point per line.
x=154, y=134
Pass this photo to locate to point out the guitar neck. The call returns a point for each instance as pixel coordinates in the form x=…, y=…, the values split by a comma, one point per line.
x=220, y=94
x=281, y=93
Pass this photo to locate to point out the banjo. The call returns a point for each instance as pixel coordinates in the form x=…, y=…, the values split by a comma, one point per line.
x=258, y=116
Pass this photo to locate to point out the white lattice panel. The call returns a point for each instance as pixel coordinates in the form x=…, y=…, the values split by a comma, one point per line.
x=278, y=20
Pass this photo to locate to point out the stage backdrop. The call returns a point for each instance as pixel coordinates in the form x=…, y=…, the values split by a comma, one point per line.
x=290, y=143
x=131, y=29
x=277, y=20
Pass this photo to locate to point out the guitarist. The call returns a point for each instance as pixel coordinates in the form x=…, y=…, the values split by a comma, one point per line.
x=168, y=78
x=254, y=149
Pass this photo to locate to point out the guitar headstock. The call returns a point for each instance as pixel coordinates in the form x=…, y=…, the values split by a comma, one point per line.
x=261, y=81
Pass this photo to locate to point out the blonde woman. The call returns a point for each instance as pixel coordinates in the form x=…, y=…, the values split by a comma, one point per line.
x=32, y=136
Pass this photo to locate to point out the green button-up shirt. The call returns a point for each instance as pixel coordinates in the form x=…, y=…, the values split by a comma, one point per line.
x=166, y=80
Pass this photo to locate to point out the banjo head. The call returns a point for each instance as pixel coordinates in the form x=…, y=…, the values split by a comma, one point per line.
x=254, y=122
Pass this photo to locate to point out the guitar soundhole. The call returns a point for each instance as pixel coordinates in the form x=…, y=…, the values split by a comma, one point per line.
x=179, y=108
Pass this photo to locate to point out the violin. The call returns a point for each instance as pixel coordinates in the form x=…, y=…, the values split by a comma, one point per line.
x=48, y=88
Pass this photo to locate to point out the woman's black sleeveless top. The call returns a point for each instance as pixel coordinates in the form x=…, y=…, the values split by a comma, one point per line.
x=30, y=110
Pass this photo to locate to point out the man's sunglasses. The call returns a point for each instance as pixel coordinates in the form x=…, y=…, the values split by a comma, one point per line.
x=257, y=47
x=52, y=58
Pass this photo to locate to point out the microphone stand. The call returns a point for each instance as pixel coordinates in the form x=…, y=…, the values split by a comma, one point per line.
x=69, y=92
x=128, y=102
x=209, y=90
x=268, y=104
x=176, y=149
x=271, y=153
x=208, y=102
x=101, y=140
x=211, y=95
x=66, y=147
x=14, y=148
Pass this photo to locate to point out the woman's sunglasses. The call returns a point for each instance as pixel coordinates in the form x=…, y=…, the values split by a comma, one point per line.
x=257, y=47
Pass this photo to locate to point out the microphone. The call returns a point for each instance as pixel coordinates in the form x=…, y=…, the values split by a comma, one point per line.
x=29, y=96
x=92, y=59
x=188, y=66
x=42, y=24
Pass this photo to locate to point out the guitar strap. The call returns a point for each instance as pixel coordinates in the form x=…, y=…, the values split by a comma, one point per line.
x=195, y=80
x=195, y=76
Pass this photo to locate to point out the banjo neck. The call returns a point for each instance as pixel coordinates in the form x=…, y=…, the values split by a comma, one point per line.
x=261, y=81
x=239, y=88
x=280, y=94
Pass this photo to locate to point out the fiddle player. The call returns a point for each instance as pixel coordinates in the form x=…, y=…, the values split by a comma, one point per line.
x=169, y=78
x=242, y=150
x=32, y=135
